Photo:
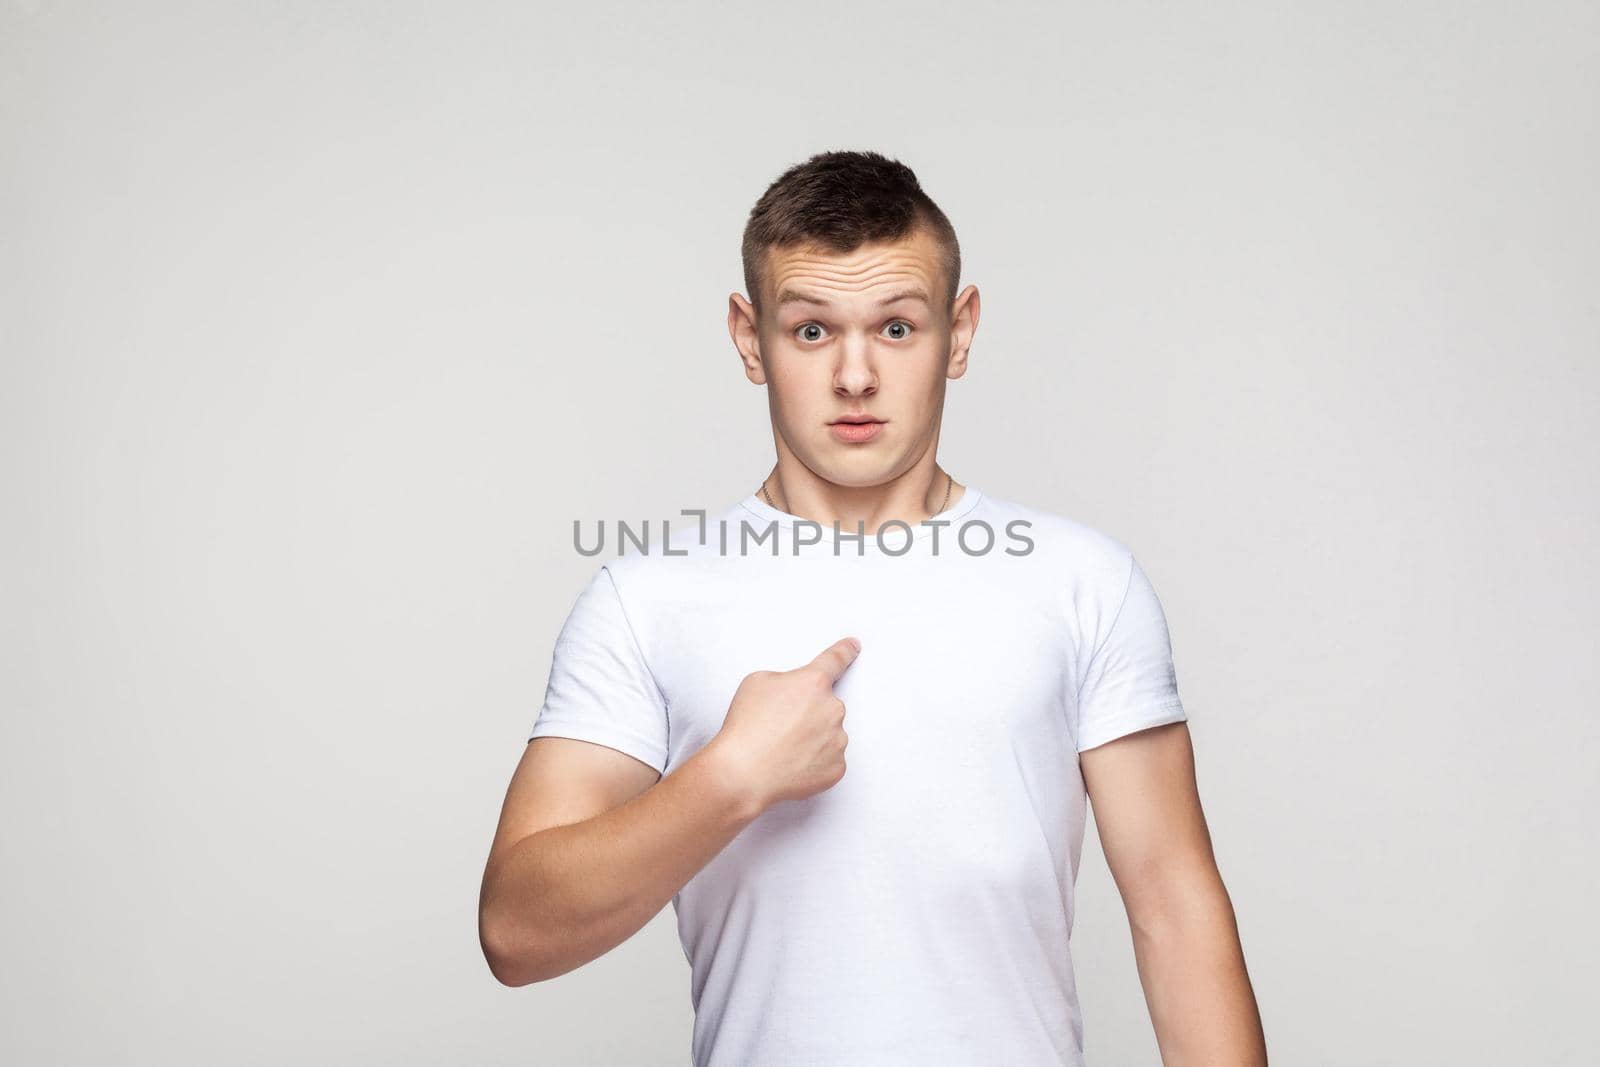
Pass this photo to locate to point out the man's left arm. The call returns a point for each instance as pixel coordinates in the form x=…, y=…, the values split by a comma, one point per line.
x=1185, y=937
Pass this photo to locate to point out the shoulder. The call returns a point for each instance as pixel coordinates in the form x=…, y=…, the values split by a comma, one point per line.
x=672, y=556
x=1064, y=545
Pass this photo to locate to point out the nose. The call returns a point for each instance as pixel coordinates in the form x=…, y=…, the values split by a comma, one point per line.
x=854, y=376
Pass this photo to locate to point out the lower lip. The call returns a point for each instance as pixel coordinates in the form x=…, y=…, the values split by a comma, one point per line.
x=856, y=433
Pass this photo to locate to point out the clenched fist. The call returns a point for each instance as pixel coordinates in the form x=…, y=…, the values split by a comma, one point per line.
x=783, y=737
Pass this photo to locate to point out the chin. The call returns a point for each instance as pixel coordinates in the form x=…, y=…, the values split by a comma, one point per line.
x=857, y=472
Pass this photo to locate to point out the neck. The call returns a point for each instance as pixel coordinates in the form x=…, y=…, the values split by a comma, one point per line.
x=921, y=492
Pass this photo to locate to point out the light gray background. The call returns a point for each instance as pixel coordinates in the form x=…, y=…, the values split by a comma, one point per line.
x=322, y=321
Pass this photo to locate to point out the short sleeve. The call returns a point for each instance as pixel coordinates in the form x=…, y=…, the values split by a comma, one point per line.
x=600, y=689
x=1130, y=683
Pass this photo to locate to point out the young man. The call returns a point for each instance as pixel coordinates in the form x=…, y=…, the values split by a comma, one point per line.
x=1000, y=665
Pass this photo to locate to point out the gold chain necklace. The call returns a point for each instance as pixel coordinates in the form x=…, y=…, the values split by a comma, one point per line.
x=948, y=485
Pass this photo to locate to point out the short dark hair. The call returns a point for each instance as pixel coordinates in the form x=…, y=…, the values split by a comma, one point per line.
x=840, y=201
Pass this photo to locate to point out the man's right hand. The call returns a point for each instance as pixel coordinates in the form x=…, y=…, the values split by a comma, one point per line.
x=783, y=736
x=601, y=841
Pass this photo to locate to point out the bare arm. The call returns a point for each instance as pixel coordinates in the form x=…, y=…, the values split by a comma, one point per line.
x=592, y=843
x=591, y=846
x=1185, y=936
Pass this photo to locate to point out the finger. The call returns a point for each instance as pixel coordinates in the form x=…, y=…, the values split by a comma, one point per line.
x=836, y=657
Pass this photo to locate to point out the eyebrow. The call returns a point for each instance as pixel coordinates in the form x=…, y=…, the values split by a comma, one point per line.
x=796, y=296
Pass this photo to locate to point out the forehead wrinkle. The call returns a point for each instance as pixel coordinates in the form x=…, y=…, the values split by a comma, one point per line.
x=803, y=275
x=919, y=259
x=904, y=261
x=790, y=283
x=788, y=295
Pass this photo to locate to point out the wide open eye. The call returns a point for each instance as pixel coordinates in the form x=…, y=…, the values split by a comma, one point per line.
x=813, y=331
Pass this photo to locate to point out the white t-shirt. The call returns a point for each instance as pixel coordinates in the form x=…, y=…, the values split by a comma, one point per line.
x=919, y=911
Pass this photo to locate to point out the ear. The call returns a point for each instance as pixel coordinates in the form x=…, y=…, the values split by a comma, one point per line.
x=963, y=324
x=746, y=334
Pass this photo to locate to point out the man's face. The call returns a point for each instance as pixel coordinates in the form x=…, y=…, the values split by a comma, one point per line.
x=860, y=333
